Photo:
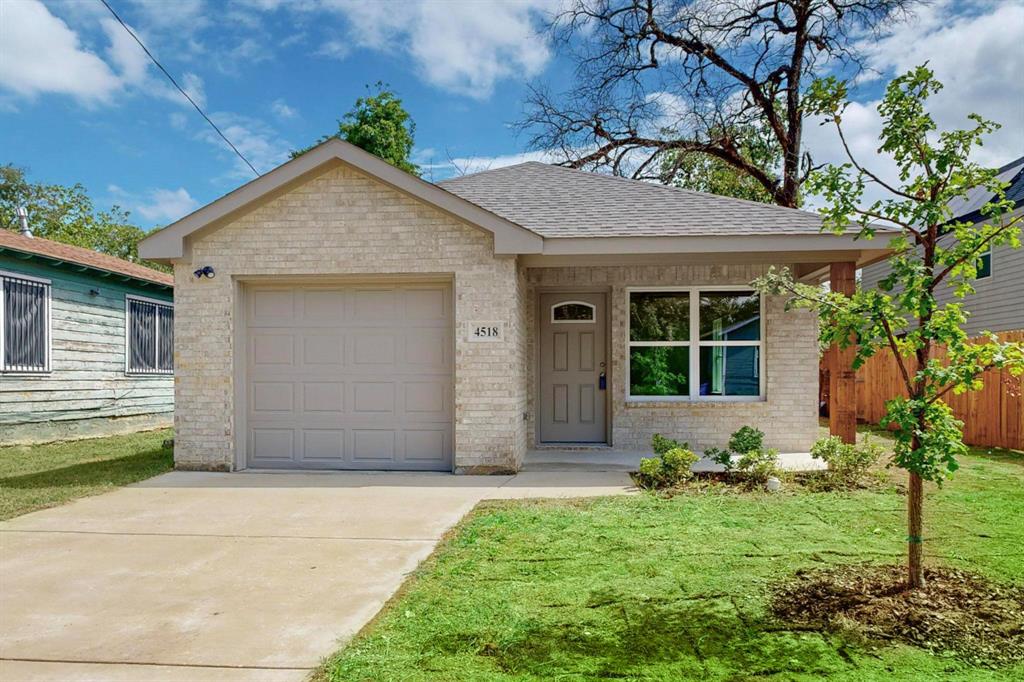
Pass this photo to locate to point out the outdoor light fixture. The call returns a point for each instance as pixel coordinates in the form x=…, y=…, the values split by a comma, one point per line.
x=205, y=271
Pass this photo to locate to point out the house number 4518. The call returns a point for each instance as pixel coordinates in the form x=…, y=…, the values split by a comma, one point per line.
x=486, y=331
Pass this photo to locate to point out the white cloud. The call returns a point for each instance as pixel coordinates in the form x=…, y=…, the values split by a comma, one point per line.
x=257, y=142
x=977, y=56
x=282, y=110
x=178, y=120
x=462, y=46
x=41, y=54
x=193, y=85
x=157, y=206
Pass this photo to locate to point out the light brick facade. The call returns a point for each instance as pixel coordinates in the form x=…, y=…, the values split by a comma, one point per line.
x=789, y=413
x=345, y=224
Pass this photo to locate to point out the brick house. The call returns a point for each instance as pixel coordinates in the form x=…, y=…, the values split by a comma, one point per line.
x=338, y=313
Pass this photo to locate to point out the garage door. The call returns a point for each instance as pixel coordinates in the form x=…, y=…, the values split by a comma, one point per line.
x=349, y=377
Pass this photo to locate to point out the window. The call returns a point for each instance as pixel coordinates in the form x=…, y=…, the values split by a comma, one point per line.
x=572, y=311
x=985, y=264
x=24, y=324
x=149, y=336
x=695, y=343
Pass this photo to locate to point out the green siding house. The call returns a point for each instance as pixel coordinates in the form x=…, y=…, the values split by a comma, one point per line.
x=86, y=343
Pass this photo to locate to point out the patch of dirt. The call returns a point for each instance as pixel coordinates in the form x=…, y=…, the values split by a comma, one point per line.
x=956, y=612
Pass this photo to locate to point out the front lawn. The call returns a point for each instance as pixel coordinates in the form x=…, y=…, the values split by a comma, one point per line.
x=654, y=588
x=37, y=476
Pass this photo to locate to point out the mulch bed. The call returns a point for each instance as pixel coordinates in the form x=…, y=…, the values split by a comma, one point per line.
x=957, y=612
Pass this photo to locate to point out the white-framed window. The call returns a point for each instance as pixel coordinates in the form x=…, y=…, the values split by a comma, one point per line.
x=148, y=336
x=695, y=343
x=573, y=312
x=24, y=324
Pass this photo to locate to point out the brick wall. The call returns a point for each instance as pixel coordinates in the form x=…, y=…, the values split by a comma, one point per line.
x=788, y=415
x=345, y=223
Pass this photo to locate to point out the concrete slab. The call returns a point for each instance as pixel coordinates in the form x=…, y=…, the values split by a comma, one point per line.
x=195, y=576
x=43, y=671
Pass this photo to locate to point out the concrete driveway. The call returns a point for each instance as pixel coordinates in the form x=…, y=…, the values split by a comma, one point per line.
x=252, y=576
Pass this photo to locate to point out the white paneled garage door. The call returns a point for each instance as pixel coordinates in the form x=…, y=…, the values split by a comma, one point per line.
x=349, y=377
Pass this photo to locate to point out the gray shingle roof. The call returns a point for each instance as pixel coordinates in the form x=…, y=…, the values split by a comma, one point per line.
x=555, y=201
x=968, y=208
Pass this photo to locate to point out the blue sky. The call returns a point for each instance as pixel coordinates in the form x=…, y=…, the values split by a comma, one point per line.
x=79, y=101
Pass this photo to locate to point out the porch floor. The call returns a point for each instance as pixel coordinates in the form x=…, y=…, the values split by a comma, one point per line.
x=612, y=459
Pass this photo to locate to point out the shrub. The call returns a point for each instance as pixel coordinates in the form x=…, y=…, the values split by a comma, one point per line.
x=722, y=456
x=746, y=439
x=661, y=445
x=848, y=464
x=666, y=470
x=755, y=464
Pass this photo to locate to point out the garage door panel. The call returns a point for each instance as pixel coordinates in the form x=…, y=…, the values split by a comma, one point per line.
x=323, y=307
x=323, y=445
x=374, y=304
x=426, y=445
x=323, y=397
x=272, y=349
x=272, y=307
x=427, y=304
x=272, y=445
x=350, y=377
x=373, y=348
x=272, y=397
x=373, y=445
x=322, y=349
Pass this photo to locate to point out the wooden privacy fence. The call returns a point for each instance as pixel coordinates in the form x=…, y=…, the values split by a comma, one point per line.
x=992, y=417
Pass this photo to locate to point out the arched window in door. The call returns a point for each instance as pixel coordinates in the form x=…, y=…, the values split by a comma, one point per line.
x=577, y=312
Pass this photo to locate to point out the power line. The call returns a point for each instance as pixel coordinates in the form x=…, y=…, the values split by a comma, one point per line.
x=180, y=89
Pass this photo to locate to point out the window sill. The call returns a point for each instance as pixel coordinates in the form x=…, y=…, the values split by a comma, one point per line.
x=673, y=401
x=40, y=373
x=155, y=375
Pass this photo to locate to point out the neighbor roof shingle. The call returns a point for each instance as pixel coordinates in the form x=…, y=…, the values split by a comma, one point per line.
x=76, y=254
x=555, y=201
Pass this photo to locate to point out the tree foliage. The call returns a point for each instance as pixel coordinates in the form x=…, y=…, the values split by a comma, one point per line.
x=930, y=248
x=706, y=173
x=379, y=124
x=66, y=214
x=661, y=82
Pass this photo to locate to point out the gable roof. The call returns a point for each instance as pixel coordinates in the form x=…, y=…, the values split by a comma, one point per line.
x=170, y=241
x=969, y=207
x=555, y=201
x=37, y=246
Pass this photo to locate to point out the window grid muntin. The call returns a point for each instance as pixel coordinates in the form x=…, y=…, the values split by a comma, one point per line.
x=27, y=283
x=693, y=379
x=160, y=347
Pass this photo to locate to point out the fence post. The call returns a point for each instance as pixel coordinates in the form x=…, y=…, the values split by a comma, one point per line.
x=842, y=408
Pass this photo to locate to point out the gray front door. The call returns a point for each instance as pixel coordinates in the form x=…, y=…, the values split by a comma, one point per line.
x=572, y=364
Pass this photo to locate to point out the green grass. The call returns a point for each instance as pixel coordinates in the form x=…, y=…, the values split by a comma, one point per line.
x=650, y=588
x=38, y=476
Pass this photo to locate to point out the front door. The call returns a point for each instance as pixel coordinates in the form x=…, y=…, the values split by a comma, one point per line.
x=573, y=366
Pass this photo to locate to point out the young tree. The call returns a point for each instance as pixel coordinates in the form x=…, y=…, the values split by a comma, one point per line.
x=930, y=249
x=66, y=214
x=379, y=124
x=657, y=78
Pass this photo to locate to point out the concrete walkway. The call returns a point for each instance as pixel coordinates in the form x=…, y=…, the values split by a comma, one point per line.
x=251, y=576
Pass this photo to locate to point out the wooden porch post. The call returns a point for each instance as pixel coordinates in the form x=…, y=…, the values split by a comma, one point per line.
x=842, y=407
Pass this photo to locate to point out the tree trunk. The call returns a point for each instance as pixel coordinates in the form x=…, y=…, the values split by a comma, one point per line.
x=915, y=541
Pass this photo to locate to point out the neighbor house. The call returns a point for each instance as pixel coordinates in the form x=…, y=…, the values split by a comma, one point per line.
x=338, y=313
x=86, y=342
x=997, y=303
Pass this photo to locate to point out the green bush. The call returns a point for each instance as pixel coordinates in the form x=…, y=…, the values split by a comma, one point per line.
x=747, y=439
x=666, y=470
x=848, y=464
x=661, y=445
x=722, y=456
x=755, y=465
